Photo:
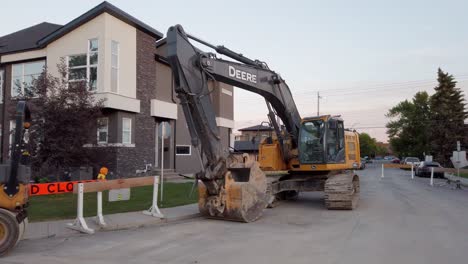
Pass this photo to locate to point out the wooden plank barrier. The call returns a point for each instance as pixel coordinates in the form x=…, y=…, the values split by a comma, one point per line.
x=80, y=224
x=397, y=165
x=100, y=186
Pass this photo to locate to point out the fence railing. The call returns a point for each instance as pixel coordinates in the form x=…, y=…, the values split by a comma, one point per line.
x=100, y=186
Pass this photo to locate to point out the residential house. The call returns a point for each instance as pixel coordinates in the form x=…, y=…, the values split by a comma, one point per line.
x=118, y=55
x=250, y=138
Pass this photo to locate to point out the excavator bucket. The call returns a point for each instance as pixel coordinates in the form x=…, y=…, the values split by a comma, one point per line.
x=243, y=198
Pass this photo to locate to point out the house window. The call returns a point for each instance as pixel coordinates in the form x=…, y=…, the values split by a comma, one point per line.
x=1, y=86
x=183, y=150
x=126, y=130
x=12, y=136
x=22, y=76
x=102, y=130
x=93, y=63
x=115, y=66
x=83, y=67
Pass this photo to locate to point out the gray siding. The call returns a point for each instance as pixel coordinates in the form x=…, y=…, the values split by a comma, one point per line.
x=185, y=164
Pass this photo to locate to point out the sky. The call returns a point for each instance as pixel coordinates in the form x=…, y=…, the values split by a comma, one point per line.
x=363, y=57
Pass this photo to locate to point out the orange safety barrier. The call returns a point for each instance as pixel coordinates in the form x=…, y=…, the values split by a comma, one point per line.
x=53, y=187
x=397, y=165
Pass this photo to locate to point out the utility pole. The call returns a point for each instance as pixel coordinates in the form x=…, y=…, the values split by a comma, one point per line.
x=318, y=103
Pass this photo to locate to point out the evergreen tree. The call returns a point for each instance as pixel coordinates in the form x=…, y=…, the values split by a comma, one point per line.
x=448, y=113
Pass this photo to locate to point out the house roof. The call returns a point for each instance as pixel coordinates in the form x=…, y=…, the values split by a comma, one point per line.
x=257, y=128
x=41, y=35
x=27, y=38
x=104, y=7
x=161, y=42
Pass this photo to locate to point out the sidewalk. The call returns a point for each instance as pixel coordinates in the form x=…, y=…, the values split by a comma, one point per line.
x=114, y=222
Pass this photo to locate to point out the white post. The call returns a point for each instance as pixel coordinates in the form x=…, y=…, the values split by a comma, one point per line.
x=154, y=209
x=382, y=171
x=412, y=171
x=80, y=223
x=163, y=127
x=100, y=217
x=432, y=176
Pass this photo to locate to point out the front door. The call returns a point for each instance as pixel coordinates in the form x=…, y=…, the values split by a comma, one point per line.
x=164, y=139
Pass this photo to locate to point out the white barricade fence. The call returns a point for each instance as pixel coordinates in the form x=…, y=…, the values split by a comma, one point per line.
x=80, y=223
x=453, y=171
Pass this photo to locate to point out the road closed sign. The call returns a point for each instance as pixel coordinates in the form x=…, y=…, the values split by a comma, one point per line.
x=53, y=187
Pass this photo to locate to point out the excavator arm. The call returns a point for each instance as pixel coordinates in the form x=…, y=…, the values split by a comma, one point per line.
x=192, y=70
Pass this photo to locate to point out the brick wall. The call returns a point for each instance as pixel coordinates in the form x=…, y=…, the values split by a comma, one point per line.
x=131, y=159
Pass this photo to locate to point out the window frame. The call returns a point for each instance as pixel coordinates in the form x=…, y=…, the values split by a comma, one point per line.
x=190, y=150
x=117, y=67
x=2, y=81
x=77, y=67
x=13, y=94
x=11, y=138
x=129, y=131
x=103, y=129
x=88, y=65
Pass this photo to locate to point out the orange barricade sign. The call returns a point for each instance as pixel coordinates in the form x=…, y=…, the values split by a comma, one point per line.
x=53, y=187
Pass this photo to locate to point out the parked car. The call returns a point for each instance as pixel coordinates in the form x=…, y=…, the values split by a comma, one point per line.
x=424, y=169
x=363, y=164
x=412, y=161
x=396, y=160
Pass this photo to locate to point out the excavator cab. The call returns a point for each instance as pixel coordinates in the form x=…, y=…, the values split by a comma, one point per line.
x=321, y=140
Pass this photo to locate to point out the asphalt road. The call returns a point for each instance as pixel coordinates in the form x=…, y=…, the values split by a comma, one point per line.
x=399, y=220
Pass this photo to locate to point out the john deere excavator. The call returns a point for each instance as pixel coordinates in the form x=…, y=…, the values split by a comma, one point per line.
x=309, y=154
x=14, y=178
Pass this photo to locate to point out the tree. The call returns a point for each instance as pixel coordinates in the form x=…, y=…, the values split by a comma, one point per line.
x=367, y=144
x=447, y=119
x=409, y=129
x=64, y=120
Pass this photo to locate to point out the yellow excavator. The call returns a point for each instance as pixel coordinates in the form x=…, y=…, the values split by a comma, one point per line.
x=308, y=154
x=14, y=179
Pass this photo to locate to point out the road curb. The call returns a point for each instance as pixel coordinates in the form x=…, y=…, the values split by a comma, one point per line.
x=115, y=222
x=463, y=181
x=153, y=222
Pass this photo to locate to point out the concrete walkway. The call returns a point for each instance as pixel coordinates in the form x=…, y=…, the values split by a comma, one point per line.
x=114, y=222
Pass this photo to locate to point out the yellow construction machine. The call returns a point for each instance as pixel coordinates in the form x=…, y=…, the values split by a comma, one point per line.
x=14, y=178
x=308, y=154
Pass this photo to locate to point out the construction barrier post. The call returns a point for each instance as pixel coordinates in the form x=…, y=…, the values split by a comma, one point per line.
x=80, y=223
x=382, y=171
x=154, y=209
x=99, y=216
x=432, y=176
x=412, y=171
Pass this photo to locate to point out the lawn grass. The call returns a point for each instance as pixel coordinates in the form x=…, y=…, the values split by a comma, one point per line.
x=463, y=174
x=63, y=206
